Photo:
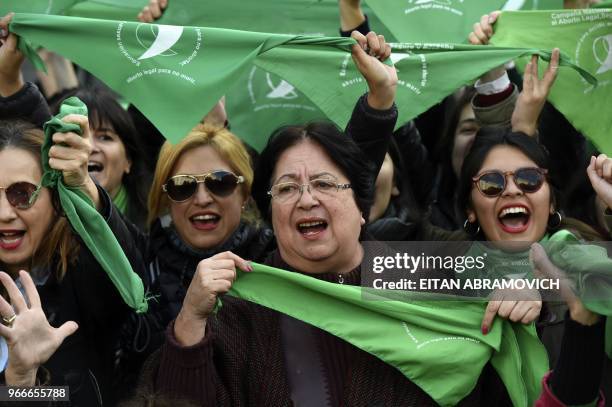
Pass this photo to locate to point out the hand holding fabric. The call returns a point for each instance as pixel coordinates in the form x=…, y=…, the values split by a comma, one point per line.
x=152, y=11
x=516, y=305
x=600, y=175
x=368, y=54
x=11, y=80
x=535, y=91
x=31, y=340
x=213, y=277
x=544, y=268
x=70, y=154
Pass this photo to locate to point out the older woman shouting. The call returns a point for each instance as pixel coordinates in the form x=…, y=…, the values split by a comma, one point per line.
x=315, y=185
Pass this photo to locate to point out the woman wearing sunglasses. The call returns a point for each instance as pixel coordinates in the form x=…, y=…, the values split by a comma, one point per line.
x=36, y=237
x=198, y=207
x=506, y=192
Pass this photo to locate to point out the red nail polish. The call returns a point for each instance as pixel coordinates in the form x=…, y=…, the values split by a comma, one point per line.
x=484, y=330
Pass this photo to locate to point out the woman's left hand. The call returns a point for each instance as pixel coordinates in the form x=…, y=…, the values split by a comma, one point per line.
x=31, y=340
x=600, y=174
x=519, y=306
x=70, y=154
x=381, y=78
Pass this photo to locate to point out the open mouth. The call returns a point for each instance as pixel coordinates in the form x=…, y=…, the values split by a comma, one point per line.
x=205, y=222
x=514, y=219
x=10, y=240
x=311, y=228
x=94, y=166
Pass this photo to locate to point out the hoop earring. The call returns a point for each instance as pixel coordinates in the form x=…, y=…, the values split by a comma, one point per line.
x=469, y=228
x=554, y=221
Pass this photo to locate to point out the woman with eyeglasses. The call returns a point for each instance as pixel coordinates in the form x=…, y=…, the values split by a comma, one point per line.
x=57, y=275
x=315, y=186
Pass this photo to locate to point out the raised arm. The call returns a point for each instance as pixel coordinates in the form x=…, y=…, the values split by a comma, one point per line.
x=375, y=115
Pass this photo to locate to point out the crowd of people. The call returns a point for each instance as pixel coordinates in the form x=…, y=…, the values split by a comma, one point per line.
x=190, y=217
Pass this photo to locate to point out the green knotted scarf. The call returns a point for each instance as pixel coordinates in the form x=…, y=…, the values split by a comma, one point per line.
x=587, y=265
x=436, y=344
x=85, y=219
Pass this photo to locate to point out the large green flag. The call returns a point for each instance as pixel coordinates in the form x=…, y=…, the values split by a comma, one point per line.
x=432, y=20
x=436, y=344
x=35, y=6
x=108, y=9
x=443, y=20
x=174, y=74
x=584, y=34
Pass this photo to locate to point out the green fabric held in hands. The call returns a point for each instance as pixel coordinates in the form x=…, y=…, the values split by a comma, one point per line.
x=120, y=200
x=430, y=342
x=192, y=66
x=85, y=219
x=586, y=265
x=585, y=35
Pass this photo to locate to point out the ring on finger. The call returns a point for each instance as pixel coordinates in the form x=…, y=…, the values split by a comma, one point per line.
x=9, y=321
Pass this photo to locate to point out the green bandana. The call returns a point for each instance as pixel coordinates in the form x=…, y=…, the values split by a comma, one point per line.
x=443, y=20
x=431, y=342
x=163, y=69
x=587, y=265
x=120, y=200
x=584, y=34
x=85, y=219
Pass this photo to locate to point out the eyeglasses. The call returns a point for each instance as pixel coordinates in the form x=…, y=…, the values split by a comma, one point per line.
x=493, y=183
x=220, y=183
x=289, y=192
x=22, y=195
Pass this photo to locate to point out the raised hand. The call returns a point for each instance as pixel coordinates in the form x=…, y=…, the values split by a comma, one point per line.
x=31, y=340
x=600, y=175
x=152, y=11
x=213, y=277
x=70, y=154
x=367, y=54
x=533, y=96
x=11, y=59
x=483, y=30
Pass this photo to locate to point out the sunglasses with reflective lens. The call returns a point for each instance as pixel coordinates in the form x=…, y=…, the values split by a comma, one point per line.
x=21, y=195
x=493, y=183
x=220, y=183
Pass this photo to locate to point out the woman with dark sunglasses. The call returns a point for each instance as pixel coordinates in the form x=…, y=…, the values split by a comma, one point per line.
x=74, y=290
x=507, y=195
x=199, y=206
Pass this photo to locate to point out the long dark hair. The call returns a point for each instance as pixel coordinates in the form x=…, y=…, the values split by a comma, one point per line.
x=489, y=137
x=340, y=148
x=104, y=109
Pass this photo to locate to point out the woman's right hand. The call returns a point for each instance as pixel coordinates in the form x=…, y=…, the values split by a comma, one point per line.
x=600, y=175
x=213, y=277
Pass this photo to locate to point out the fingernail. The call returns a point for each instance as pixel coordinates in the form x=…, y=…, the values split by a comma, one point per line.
x=484, y=330
x=2, y=32
x=249, y=266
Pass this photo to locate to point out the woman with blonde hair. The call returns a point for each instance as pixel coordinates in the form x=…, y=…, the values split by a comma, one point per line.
x=198, y=207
